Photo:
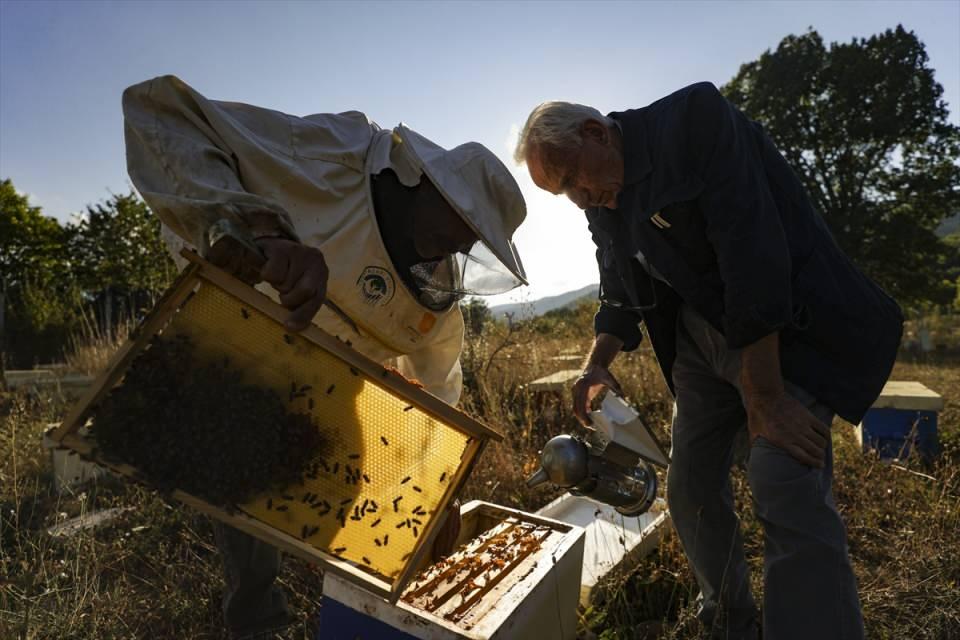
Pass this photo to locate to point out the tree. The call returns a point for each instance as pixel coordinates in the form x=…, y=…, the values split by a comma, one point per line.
x=476, y=314
x=865, y=126
x=30, y=243
x=119, y=255
x=38, y=297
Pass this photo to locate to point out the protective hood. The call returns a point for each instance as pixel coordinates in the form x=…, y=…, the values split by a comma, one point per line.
x=480, y=189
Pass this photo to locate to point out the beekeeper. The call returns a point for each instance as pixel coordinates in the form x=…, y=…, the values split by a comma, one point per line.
x=391, y=227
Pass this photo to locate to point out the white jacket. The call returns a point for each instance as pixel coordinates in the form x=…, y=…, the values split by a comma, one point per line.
x=196, y=160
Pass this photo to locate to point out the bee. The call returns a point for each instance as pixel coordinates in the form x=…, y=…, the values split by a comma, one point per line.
x=408, y=407
x=331, y=388
x=244, y=313
x=282, y=507
x=443, y=476
x=366, y=559
x=354, y=456
x=354, y=371
x=339, y=550
x=384, y=441
x=377, y=542
x=417, y=489
x=415, y=534
x=287, y=339
x=386, y=538
x=405, y=480
x=375, y=522
x=366, y=478
x=269, y=503
x=346, y=501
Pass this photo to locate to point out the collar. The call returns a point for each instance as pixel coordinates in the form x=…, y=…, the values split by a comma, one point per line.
x=636, y=156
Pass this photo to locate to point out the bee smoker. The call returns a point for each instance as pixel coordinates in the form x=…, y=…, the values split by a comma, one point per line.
x=612, y=464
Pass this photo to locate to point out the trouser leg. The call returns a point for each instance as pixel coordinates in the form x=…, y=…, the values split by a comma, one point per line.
x=708, y=413
x=809, y=587
x=251, y=600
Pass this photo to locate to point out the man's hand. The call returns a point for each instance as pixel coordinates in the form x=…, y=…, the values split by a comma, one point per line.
x=786, y=423
x=446, y=539
x=299, y=273
x=591, y=382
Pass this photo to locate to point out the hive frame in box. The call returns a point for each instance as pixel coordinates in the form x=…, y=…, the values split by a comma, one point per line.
x=199, y=271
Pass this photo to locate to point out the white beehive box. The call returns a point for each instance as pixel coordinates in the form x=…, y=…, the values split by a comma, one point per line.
x=69, y=469
x=533, y=595
x=613, y=543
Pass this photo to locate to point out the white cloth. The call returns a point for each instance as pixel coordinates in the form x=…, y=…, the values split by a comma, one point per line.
x=196, y=161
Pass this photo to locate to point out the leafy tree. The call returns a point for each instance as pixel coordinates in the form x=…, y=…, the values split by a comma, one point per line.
x=39, y=302
x=865, y=125
x=117, y=245
x=30, y=243
x=476, y=314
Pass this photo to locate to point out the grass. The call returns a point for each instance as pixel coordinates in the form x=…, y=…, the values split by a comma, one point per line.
x=153, y=572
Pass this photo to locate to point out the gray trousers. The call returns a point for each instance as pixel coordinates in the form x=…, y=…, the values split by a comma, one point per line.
x=252, y=601
x=809, y=587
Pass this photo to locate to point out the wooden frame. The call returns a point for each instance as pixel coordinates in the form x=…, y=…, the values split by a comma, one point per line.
x=200, y=271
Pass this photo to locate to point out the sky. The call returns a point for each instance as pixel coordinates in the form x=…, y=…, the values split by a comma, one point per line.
x=454, y=71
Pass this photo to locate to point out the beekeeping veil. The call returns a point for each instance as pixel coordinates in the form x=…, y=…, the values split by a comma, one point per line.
x=484, y=194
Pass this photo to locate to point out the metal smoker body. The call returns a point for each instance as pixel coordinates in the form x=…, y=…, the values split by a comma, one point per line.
x=612, y=464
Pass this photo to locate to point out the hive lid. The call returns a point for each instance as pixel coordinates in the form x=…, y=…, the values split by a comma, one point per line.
x=908, y=394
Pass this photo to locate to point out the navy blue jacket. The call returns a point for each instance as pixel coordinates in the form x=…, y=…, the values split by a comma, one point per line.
x=737, y=239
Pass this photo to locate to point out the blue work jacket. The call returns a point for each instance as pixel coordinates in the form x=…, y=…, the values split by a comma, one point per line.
x=728, y=229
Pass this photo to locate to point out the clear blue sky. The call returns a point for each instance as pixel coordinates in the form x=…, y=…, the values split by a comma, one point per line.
x=455, y=71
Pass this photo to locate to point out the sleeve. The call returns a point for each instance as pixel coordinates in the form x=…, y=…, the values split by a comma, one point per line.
x=611, y=317
x=741, y=218
x=184, y=168
x=437, y=365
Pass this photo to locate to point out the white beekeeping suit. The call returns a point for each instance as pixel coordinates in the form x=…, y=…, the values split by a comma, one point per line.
x=196, y=161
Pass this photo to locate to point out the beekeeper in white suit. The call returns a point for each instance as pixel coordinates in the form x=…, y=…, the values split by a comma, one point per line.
x=387, y=225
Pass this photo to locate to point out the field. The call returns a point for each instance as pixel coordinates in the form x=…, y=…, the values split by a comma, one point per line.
x=154, y=572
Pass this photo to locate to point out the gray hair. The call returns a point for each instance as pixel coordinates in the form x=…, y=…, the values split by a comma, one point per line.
x=555, y=124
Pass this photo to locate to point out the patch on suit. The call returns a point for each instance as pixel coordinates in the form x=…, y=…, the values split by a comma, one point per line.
x=376, y=286
x=659, y=221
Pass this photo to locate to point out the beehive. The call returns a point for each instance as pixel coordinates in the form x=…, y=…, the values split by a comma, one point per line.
x=398, y=455
x=515, y=575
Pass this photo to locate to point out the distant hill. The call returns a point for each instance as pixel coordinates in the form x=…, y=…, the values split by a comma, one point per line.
x=539, y=307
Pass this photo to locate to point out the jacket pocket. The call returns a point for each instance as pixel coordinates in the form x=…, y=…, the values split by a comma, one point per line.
x=837, y=309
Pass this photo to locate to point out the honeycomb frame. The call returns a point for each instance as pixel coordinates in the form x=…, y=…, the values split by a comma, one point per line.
x=389, y=464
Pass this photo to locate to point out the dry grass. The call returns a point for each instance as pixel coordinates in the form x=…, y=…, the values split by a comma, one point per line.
x=154, y=572
x=90, y=349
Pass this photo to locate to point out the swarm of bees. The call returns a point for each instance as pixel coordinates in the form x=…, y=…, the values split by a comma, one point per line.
x=199, y=428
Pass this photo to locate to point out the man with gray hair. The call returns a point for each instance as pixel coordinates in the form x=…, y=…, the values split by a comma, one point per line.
x=757, y=318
